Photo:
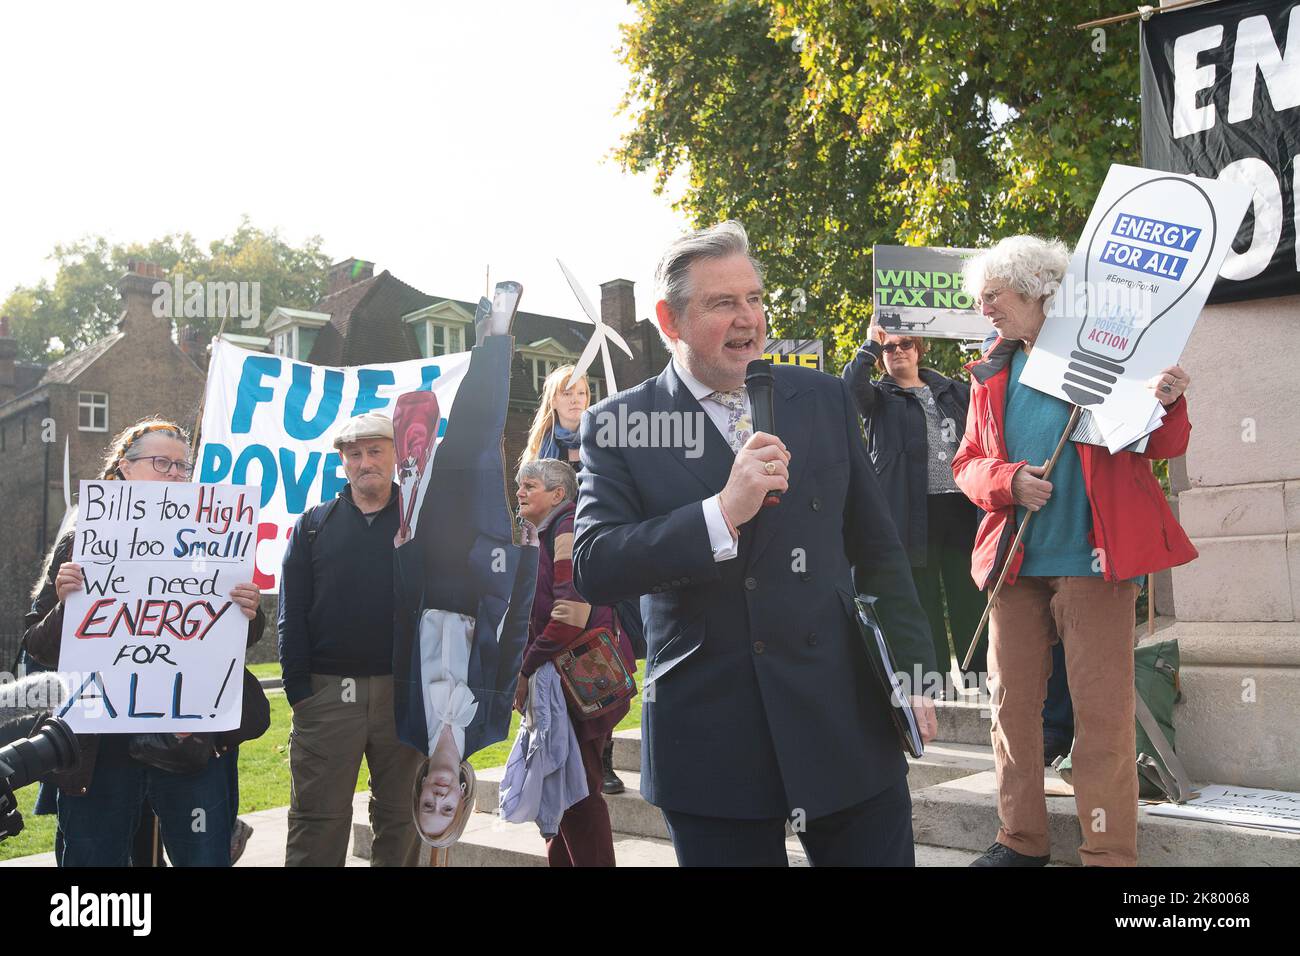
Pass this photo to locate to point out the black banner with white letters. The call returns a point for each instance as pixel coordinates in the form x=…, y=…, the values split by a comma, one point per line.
x=1221, y=99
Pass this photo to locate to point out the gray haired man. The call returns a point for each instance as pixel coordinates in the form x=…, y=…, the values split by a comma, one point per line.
x=336, y=651
x=759, y=706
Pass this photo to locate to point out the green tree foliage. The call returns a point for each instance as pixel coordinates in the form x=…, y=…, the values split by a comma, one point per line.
x=82, y=305
x=829, y=126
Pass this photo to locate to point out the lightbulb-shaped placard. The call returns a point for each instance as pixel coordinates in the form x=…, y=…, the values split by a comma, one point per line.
x=1136, y=268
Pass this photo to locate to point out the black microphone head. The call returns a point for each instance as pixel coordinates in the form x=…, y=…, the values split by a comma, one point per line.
x=758, y=372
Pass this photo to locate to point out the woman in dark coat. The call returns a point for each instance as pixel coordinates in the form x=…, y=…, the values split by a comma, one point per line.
x=915, y=419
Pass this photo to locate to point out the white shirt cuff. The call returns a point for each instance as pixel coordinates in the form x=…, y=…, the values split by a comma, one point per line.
x=725, y=547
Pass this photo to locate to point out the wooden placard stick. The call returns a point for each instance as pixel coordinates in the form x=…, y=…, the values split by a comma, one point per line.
x=1015, y=542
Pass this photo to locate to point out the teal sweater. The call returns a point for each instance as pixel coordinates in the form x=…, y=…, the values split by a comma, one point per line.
x=1058, y=541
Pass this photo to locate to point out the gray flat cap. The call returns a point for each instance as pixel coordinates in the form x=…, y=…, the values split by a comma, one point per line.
x=369, y=425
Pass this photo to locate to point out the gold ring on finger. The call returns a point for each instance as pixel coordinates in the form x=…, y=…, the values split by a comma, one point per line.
x=770, y=467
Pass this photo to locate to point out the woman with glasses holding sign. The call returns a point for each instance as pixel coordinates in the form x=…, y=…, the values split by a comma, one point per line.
x=915, y=418
x=99, y=804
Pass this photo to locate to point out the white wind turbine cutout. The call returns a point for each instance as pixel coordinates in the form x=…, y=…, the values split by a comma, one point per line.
x=600, y=338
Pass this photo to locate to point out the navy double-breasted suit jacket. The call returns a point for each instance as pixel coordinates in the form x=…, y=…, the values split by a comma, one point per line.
x=759, y=698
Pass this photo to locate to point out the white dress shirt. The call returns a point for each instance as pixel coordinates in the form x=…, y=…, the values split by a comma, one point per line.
x=445, y=638
x=725, y=546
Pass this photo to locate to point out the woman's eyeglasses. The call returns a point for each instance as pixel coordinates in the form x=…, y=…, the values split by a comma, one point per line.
x=162, y=464
x=898, y=346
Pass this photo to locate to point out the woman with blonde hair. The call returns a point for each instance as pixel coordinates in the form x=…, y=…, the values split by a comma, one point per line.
x=554, y=433
x=99, y=803
x=442, y=802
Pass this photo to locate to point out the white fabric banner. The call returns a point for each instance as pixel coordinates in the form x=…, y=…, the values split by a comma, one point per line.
x=271, y=421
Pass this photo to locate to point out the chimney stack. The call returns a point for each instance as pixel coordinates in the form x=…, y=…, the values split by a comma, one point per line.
x=194, y=342
x=139, y=301
x=348, y=272
x=8, y=355
x=618, y=305
x=618, y=310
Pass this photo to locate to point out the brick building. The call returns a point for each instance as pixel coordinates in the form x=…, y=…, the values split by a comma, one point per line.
x=147, y=368
x=366, y=318
x=78, y=403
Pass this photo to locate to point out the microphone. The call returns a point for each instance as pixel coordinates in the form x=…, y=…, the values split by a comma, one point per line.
x=38, y=693
x=758, y=383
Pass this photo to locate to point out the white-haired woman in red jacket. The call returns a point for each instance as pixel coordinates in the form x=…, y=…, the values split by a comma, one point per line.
x=1101, y=523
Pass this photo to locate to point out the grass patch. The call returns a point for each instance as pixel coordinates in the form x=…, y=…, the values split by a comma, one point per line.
x=38, y=832
x=263, y=771
x=261, y=671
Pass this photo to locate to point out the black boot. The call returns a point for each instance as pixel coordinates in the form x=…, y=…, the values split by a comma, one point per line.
x=1000, y=855
x=611, y=783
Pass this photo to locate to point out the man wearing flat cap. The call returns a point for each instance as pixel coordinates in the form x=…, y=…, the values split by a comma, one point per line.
x=336, y=651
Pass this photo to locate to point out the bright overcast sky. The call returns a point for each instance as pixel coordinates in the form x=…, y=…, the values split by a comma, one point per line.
x=432, y=138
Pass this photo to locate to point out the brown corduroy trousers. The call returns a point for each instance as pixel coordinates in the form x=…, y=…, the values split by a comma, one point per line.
x=1094, y=619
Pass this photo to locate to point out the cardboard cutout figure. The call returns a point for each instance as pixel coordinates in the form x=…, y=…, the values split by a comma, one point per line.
x=415, y=429
x=464, y=592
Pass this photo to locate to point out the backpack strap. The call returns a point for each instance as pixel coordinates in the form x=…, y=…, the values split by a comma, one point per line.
x=1172, y=777
x=318, y=518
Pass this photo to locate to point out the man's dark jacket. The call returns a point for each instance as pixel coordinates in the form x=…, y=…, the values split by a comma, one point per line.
x=762, y=701
x=898, y=440
x=336, y=594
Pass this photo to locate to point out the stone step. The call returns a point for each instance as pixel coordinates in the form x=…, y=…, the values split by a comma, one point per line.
x=962, y=813
x=489, y=842
x=629, y=814
x=636, y=823
x=947, y=761
x=627, y=750
x=963, y=721
x=942, y=761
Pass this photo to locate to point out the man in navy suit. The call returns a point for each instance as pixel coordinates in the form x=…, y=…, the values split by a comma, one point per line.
x=758, y=703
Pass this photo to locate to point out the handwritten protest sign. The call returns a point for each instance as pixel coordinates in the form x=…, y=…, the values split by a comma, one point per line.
x=154, y=641
x=271, y=421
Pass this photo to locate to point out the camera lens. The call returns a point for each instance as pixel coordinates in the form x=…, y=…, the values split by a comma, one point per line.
x=52, y=748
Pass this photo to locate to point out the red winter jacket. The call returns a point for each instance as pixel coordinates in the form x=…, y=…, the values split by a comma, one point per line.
x=1131, y=520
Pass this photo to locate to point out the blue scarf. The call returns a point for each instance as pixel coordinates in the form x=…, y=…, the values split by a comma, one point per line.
x=557, y=442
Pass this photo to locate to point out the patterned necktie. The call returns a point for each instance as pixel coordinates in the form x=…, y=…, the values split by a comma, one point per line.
x=739, y=426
